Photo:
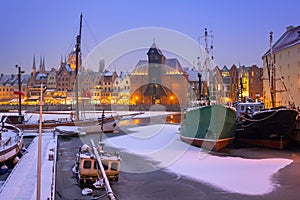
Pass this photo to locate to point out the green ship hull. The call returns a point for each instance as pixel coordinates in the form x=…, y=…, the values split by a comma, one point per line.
x=210, y=127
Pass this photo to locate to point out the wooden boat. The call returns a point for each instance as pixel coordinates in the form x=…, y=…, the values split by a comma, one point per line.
x=11, y=144
x=269, y=128
x=210, y=127
x=272, y=127
x=87, y=168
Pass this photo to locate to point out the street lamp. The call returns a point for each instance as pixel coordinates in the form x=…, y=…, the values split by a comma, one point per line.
x=20, y=88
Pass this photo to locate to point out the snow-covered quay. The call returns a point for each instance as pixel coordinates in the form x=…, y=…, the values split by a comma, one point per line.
x=22, y=182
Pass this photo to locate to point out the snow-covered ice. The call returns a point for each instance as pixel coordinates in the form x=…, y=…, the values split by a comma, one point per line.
x=161, y=143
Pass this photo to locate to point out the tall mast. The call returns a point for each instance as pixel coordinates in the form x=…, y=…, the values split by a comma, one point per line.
x=78, y=43
x=272, y=67
x=207, y=57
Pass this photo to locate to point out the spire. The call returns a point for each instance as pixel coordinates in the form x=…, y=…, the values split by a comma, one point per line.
x=33, y=65
x=41, y=64
x=33, y=70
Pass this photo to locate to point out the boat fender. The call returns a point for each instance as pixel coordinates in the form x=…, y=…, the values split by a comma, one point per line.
x=16, y=160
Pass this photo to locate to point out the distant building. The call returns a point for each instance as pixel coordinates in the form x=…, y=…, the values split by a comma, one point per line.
x=234, y=83
x=9, y=84
x=255, y=82
x=286, y=52
x=121, y=89
x=240, y=84
x=158, y=81
x=226, y=83
x=72, y=61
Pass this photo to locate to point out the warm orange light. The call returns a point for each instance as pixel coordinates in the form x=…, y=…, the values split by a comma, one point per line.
x=171, y=97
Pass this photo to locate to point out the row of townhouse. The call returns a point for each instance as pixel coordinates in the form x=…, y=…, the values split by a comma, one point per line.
x=158, y=80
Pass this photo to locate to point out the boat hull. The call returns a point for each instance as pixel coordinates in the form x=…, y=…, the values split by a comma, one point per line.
x=268, y=124
x=210, y=127
x=269, y=128
x=11, y=143
x=215, y=145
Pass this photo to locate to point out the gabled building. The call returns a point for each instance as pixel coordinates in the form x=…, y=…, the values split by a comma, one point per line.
x=286, y=54
x=158, y=80
x=240, y=84
x=9, y=84
x=121, y=89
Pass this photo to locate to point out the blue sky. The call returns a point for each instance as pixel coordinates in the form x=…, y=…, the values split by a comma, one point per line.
x=240, y=28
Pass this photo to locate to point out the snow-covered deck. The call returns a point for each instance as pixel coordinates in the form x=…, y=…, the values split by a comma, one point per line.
x=22, y=182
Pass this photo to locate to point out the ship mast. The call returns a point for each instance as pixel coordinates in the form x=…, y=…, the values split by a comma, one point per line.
x=272, y=68
x=207, y=57
x=77, y=49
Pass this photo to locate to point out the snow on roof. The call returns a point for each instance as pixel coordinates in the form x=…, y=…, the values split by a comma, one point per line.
x=289, y=38
x=192, y=75
x=40, y=76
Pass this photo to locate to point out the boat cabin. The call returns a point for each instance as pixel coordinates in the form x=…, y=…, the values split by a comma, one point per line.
x=248, y=107
x=89, y=169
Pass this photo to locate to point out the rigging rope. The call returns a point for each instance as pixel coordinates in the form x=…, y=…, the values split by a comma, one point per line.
x=258, y=120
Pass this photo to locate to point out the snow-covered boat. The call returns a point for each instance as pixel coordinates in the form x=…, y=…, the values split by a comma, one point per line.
x=11, y=144
x=88, y=170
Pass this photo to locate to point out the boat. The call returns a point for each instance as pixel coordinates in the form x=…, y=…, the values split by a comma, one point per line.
x=11, y=144
x=88, y=170
x=269, y=128
x=272, y=127
x=208, y=126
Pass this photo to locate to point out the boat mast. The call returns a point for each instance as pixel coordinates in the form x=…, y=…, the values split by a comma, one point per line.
x=207, y=57
x=77, y=49
x=272, y=67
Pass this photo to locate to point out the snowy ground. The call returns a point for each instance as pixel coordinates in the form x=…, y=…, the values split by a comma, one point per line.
x=234, y=174
x=22, y=182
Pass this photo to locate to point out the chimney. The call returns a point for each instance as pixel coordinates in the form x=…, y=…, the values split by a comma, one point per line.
x=12, y=76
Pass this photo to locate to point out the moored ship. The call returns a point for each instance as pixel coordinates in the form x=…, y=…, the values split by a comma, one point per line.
x=209, y=127
x=268, y=127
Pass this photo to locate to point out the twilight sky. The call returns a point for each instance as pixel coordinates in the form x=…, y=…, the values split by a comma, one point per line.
x=48, y=28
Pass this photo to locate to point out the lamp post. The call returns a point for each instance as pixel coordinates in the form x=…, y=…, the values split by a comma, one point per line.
x=20, y=88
